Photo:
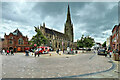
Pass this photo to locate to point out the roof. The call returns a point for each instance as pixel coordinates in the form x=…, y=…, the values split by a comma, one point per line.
x=53, y=32
x=17, y=32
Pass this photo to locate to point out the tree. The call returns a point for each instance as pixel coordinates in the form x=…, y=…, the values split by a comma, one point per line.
x=80, y=42
x=39, y=38
x=87, y=42
x=104, y=44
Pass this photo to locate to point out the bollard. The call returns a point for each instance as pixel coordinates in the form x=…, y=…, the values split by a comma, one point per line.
x=50, y=54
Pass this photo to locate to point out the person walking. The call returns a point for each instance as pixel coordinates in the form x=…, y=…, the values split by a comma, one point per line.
x=63, y=51
x=3, y=51
x=12, y=52
x=110, y=53
x=7, y=52
x=58, y=50
x=105, y=53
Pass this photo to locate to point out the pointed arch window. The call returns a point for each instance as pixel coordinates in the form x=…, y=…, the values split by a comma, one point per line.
x=20, y=41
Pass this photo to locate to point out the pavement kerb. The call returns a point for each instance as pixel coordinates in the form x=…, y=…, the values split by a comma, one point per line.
x=81, y=75
x=116, y=62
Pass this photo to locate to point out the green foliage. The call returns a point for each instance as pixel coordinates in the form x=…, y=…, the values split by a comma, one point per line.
x=104, y=44
x=86, y=42
x=38, y=38
x=80, y=42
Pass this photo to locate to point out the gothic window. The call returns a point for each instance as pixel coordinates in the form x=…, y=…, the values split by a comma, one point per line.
x=20, y=41
x=56, y=45
x=59, y=45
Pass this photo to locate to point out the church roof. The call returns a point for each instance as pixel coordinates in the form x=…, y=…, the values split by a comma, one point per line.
x=53, y=32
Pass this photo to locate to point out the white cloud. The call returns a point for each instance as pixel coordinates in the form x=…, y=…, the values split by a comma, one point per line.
x=8, y=26
x=90, y=19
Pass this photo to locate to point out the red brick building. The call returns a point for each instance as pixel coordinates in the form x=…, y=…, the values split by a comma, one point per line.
x=116, y=37
x=15, y=41
x=119, y=37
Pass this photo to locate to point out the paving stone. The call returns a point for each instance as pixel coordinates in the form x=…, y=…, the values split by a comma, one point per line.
x=18, y=66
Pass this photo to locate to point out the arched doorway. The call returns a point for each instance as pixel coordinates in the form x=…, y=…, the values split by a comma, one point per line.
x=10, y=48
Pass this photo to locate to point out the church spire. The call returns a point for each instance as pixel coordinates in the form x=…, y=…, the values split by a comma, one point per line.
x=68, y=30
x=68, y=15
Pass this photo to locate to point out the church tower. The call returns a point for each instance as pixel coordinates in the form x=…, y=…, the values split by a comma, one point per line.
x=68, y=30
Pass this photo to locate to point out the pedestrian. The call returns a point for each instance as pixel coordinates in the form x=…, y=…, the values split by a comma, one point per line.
x=27, y=53
x=7, y=52
x=3, y=51
x=71, y=49
x=105, y=53
x=63, y=51
x=12, y=52
x=58, y=50
x=110, y=53
x=94, y=51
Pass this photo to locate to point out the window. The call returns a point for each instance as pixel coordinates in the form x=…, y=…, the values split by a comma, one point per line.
x=10, y=41
x=20, y=41
x=11, y=37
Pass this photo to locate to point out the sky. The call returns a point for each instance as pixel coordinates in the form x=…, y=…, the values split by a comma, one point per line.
x=95, y=19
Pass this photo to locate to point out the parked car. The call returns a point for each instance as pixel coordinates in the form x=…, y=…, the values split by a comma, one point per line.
x=101, y=52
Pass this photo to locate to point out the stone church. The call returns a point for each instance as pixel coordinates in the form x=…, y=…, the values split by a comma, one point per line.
x=58, y=39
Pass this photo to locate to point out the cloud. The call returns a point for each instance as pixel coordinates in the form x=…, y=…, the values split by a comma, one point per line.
x=99, y=18
x=9, y=26
x=89, y=18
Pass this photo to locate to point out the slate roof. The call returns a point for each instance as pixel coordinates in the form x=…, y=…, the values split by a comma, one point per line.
x=17, y=32
x=56, y=33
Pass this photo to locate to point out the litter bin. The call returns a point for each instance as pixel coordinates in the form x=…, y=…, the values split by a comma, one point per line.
x=116, y=57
